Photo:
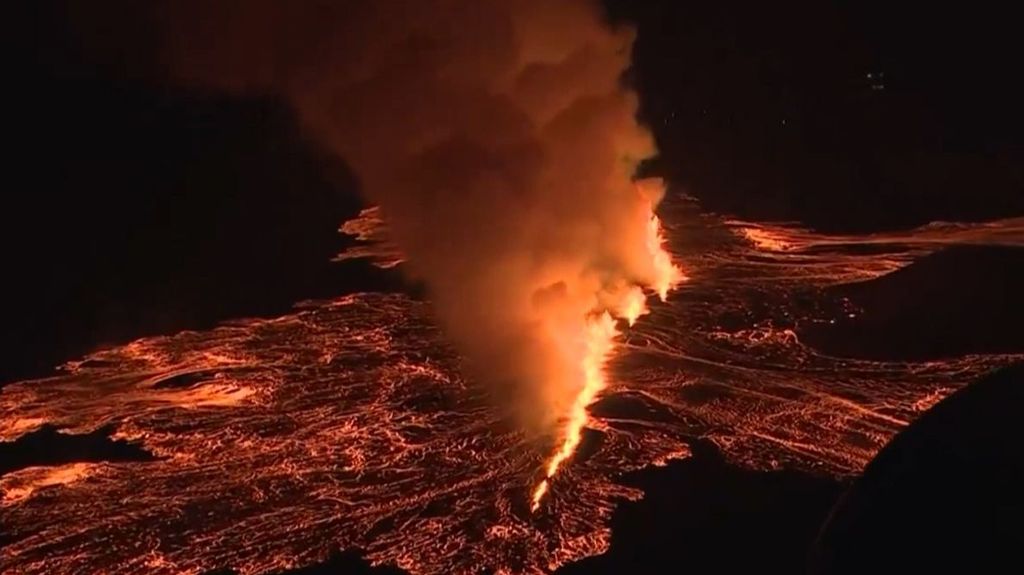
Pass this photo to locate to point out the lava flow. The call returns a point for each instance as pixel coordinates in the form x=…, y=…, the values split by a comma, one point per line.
x=351, y=424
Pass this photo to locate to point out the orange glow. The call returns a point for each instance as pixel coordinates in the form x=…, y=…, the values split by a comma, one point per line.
x=600, y=342
x=765, y=239
x=361, y=420
x=667, y=274
x=600, y=333
x=19, y=486
x=633, y=305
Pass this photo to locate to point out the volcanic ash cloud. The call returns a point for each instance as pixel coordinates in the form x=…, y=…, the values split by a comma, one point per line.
x=501, y=145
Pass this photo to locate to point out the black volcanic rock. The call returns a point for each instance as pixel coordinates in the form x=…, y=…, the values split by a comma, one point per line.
x=49, y=446
x=957, y=301
x=703, y=515
x=350, y=562
x=944, y=496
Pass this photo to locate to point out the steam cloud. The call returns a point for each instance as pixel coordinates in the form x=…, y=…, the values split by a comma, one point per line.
x=498, y=140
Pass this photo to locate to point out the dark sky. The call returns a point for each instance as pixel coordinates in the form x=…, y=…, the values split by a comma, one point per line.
x=853, y=115
x=142, y=209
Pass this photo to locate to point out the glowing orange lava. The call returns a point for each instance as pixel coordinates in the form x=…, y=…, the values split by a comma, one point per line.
x=667, y=274
x=633, y=305
x=349, y=423
x=600, y=342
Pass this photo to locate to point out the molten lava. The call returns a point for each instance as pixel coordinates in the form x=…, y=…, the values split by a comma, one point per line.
x=349, y=424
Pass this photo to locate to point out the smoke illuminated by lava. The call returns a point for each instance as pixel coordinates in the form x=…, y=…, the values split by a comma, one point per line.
x=599, y=343
x=501, y=146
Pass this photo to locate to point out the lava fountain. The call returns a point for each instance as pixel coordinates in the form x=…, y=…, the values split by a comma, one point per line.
x=600, y=341
x=598, y=337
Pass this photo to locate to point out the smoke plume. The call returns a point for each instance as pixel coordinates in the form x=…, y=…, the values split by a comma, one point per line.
x=499, y=142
